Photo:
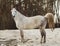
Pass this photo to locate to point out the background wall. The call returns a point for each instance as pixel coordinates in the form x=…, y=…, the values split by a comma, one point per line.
x=26, y=7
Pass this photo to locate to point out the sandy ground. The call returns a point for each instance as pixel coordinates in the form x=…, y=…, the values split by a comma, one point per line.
x=33, y=36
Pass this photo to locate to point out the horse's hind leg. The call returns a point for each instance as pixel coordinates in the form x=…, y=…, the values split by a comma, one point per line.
x=22, y=35
x=43, y=35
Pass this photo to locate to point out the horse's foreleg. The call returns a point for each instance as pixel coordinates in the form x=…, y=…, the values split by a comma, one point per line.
x=22, y=35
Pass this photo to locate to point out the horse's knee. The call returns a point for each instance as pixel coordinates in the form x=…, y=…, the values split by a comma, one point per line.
x=44, y=33
x=22, y=36
x=44, y=36
x=21, y=33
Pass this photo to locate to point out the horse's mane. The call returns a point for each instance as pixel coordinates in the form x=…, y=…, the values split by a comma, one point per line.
x=19, y=13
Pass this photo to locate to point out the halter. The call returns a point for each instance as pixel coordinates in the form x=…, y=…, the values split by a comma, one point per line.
x=14, y=13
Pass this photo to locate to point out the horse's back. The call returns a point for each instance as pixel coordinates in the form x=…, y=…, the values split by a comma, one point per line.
x=36, y=21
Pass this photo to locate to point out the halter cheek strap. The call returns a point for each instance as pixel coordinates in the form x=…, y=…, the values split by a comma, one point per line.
x=15, y=14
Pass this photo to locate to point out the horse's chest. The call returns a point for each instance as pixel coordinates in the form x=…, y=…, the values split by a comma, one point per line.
x=19, y=24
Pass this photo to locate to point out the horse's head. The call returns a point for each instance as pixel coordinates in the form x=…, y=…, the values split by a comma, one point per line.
x=50, y=18
x=13, y=11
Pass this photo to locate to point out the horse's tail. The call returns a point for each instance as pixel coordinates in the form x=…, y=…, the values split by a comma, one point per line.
x=50, y=18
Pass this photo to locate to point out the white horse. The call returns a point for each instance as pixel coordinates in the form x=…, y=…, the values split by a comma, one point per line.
x=23, y=22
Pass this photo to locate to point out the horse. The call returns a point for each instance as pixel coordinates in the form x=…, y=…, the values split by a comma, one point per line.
x=24, y=22
x=55, y=19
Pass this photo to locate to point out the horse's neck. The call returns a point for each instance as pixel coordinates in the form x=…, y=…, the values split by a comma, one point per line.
x=19, y=16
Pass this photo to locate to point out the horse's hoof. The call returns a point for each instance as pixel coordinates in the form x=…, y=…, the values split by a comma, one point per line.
x=23, y=41
x=44, y=41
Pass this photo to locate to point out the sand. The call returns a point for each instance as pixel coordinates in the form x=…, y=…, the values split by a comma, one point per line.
x=33, y=37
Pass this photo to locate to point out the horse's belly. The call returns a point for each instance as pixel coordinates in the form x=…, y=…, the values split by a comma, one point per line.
x=26, y=26
x=31, y=25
